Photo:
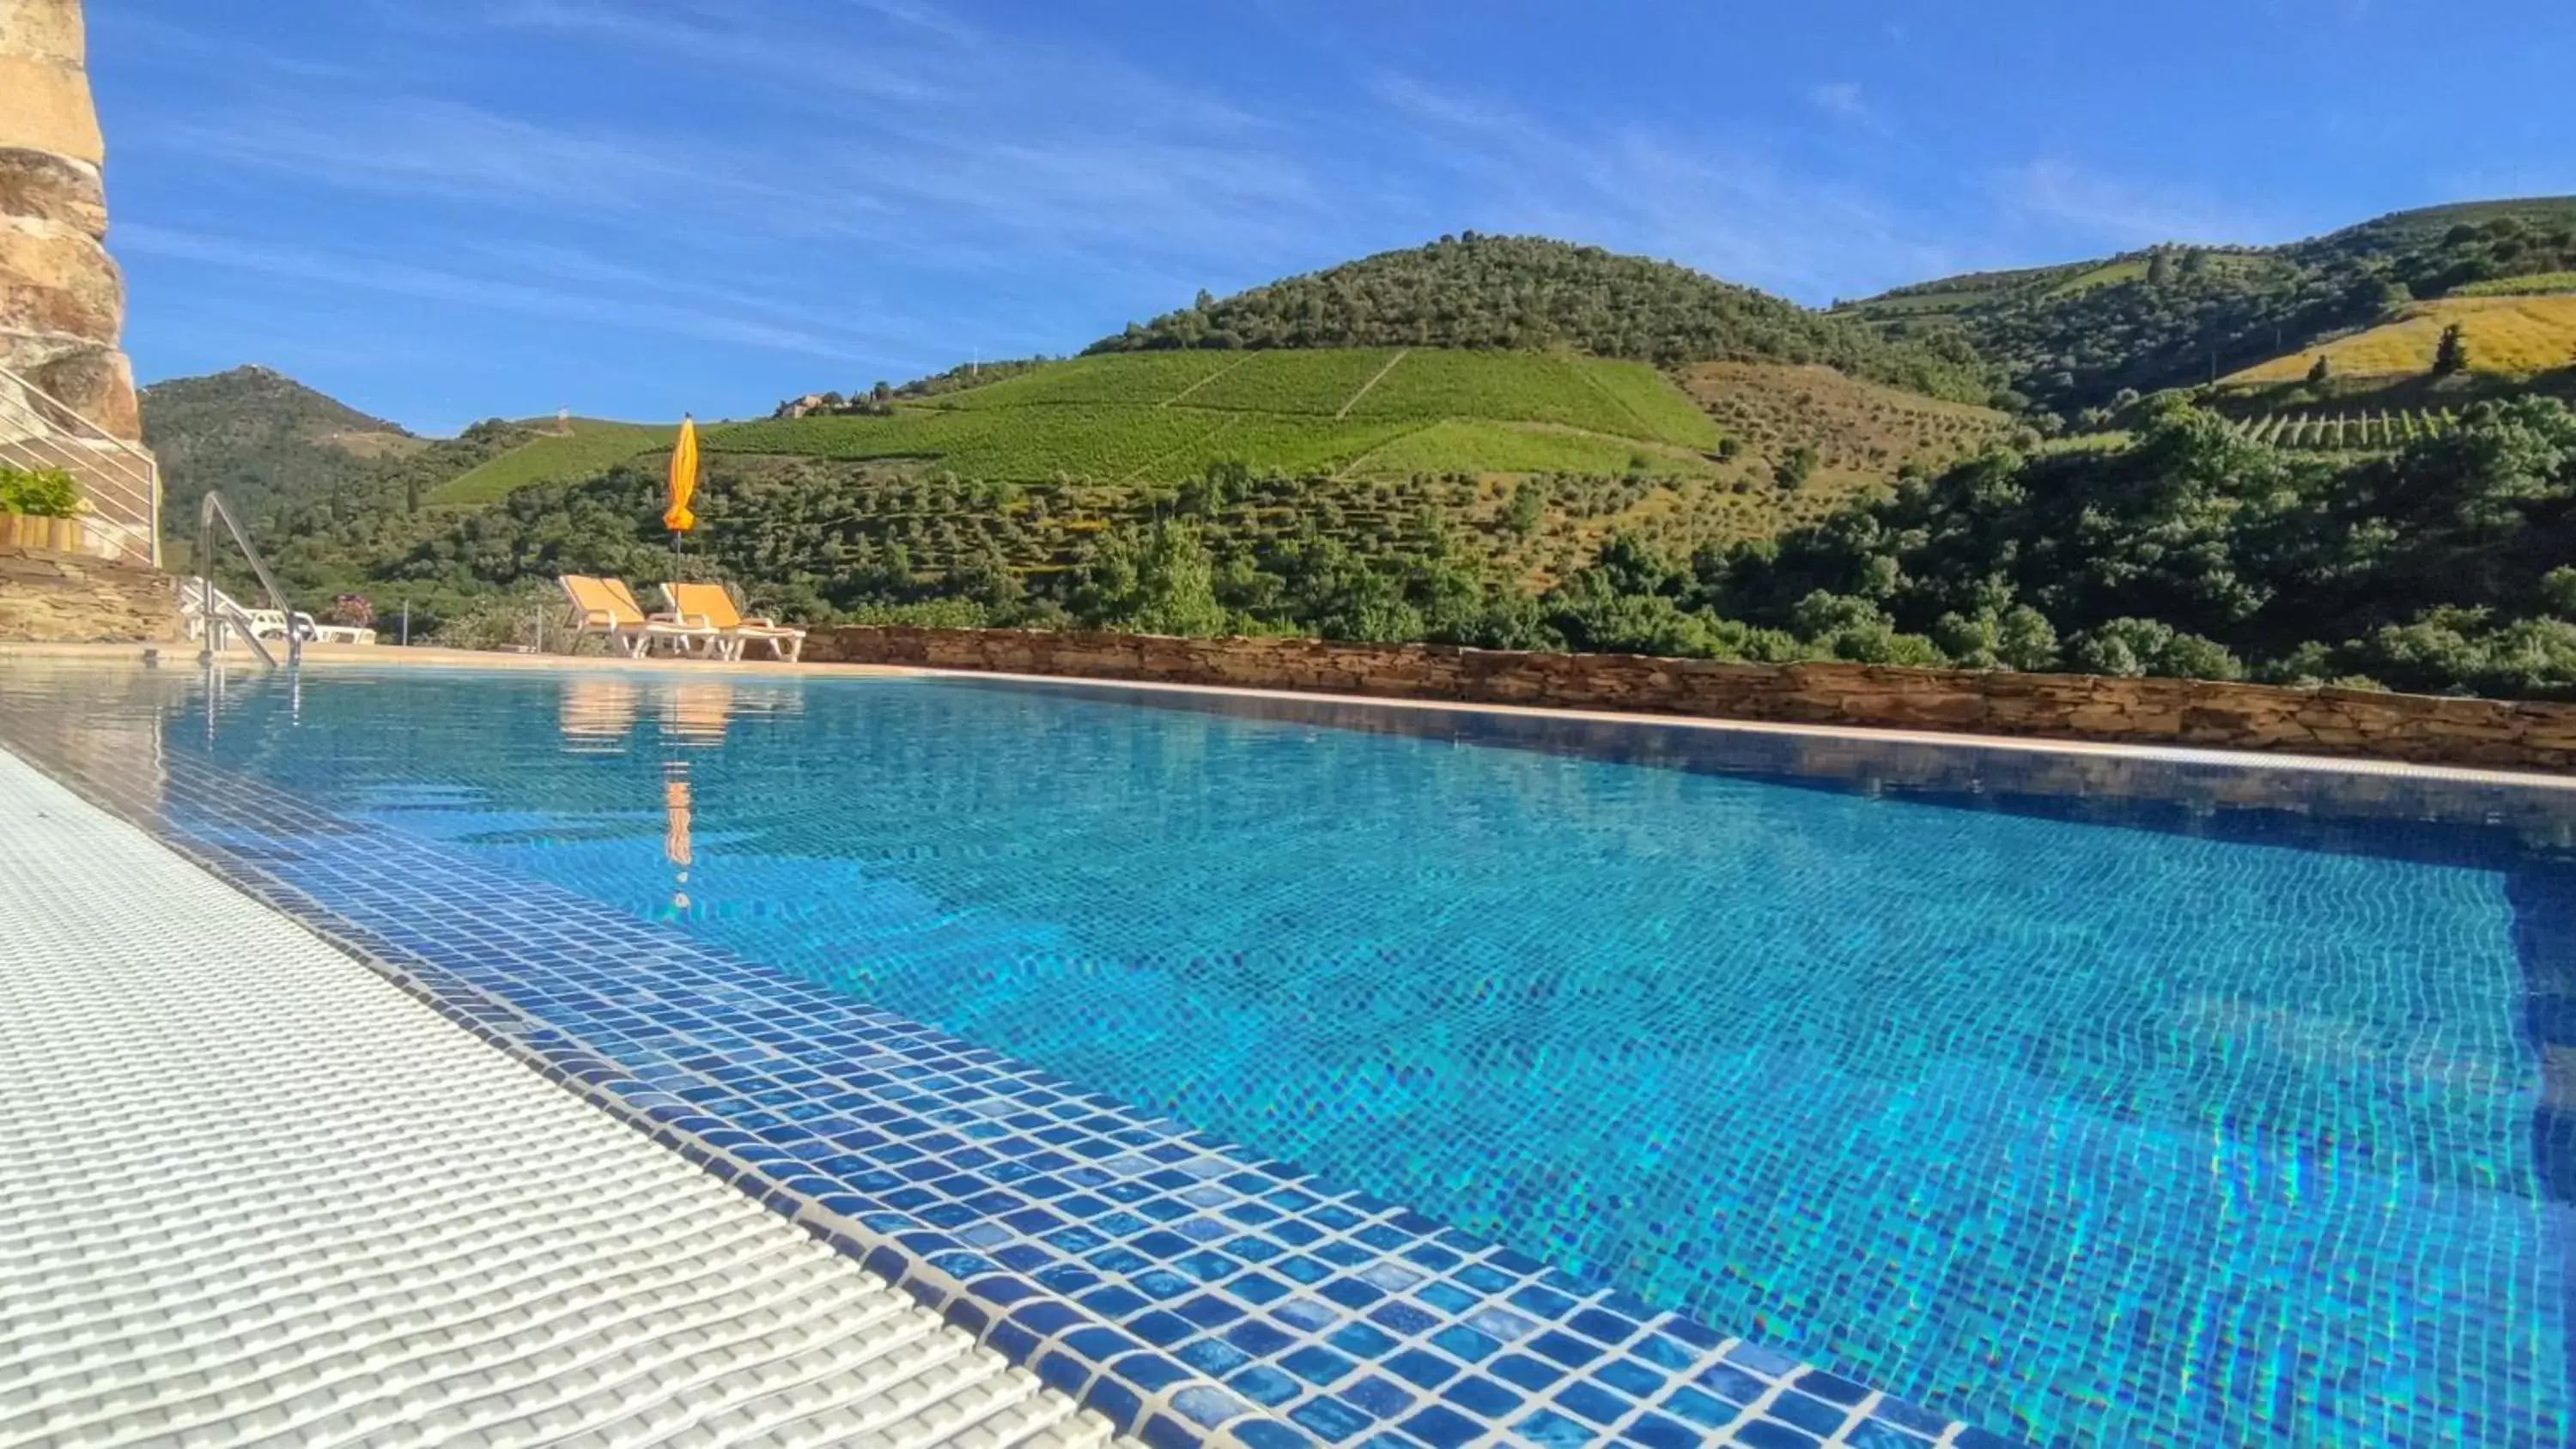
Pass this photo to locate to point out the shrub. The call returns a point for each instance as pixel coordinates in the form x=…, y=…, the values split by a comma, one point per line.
x=2558, y=591
x=38, y=493
x=2134, y=647
x=2016, y=638
x=2451, y=354
x=1792, y=471
x=925, y=614
x=519, y=619
x=1636, y=624
x=1841, y=626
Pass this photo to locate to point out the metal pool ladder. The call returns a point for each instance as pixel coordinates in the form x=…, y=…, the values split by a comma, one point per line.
x=215, y=619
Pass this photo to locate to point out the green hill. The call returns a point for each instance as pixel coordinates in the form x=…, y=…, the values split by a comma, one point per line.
x=262, y=438
x=590, y=447
x=2075, y=336
x=1516, y=443
x=1160, y=417
x=1490, y=292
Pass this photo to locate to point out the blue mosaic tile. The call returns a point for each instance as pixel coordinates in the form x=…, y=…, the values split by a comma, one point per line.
x=1443, y=1428
x=1331, y=1420
x=1378, y=1396
x=1590, y=1401
x=1700, y=1409
x=1879, y=1434
x=1104, y=1249
x=1806, y=1412
x=1422, y=1368
x=1554, y=1431
x=1265, y=1385
x=1657, y=1432
x=1482, y=1396
x=1317, y=1365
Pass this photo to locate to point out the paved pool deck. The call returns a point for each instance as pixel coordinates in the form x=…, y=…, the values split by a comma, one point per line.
x=252, y=1192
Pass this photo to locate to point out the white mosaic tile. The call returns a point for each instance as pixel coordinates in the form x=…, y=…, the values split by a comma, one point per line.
x=250, y=1193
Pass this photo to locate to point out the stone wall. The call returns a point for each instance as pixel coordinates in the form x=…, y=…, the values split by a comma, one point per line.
x=2049, y=706
x=62, y=597
x=62, y=300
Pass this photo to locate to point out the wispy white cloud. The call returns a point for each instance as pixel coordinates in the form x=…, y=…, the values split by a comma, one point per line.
x=1724, y=205
x=934, y=143
x=1847, y=104
x=925, y=18
x=161, y=41
x=439, y=149
x=731, y=37
x=2097, y=208
x=678, y=316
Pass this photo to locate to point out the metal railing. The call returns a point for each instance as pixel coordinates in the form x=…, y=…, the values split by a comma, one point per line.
x=118, y=480
x=216, y=618
x=200, y=601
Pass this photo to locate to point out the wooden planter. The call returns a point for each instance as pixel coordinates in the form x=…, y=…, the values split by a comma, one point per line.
x=60, y=535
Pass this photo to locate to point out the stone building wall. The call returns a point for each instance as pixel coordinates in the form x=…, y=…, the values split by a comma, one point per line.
x=2198, y=713
x=64, y=597
x=62, y=299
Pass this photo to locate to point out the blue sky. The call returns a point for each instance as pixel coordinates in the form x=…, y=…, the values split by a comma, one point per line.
x=440, y=210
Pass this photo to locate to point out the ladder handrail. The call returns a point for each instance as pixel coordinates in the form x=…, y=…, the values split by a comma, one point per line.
x=208, y=512
x=216, y=610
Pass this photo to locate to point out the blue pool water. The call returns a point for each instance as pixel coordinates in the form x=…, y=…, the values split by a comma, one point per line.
x=2110, y=1125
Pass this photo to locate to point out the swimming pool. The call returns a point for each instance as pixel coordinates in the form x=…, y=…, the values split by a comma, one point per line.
x=2213, y=1112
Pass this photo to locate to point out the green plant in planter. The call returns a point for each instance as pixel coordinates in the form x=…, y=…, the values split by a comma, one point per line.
x=38, y=493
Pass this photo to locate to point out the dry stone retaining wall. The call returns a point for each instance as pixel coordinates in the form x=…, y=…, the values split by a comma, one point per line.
x=64, y=597
x=2199, y=713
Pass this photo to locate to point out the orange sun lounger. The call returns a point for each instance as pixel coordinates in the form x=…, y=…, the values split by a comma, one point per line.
x=712, y=606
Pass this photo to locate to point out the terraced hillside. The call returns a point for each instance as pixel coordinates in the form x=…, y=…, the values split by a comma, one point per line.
x=2347, y=430
x=2535, y=284
x=2076, y=336
x=1527, y=293
x=593, y=446
x=1856, y=434
x=2504, y=334
x=1527, y=460
x=1161, y=417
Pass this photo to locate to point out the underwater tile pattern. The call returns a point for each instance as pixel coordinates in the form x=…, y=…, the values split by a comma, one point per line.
x=2097, y=1118
x=1189, y=1293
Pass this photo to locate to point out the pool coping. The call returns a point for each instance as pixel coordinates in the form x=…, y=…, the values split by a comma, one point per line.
x=1167, y=1404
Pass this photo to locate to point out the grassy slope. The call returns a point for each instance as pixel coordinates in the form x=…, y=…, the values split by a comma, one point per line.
x=2537, y=284
x=592, y=446
x=1861, y=432
x=1528, y=294
x=1395, y=474
x=2505, y=334
x=1158, y=417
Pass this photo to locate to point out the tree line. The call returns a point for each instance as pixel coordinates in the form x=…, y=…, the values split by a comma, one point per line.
x=2191, y=314
x=2445, y=566
x=1474, y=291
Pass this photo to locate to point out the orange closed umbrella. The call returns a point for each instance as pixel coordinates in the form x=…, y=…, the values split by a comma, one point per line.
x=684, y=478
